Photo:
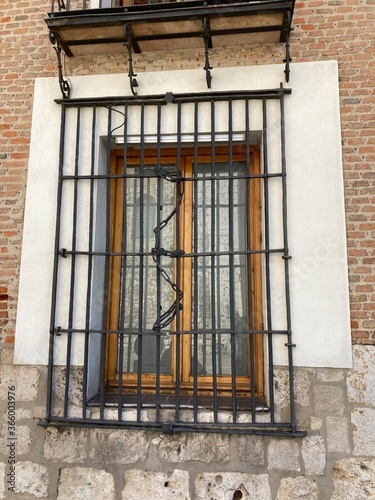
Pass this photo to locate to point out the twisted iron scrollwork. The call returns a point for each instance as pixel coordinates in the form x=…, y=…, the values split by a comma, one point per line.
x=167, y=317
x=129, y=46
x=64, y=84
x=287, y=29
x=207, y=37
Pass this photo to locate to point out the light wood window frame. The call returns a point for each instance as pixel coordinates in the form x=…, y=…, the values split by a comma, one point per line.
x=168, y=382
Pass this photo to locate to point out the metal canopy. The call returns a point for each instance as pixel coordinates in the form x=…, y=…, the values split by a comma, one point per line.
x=208, y=24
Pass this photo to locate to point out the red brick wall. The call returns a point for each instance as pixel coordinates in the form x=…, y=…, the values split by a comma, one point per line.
x=328, y=29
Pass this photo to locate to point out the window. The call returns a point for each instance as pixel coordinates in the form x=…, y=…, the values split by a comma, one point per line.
x=185, y=285
x=170, y=299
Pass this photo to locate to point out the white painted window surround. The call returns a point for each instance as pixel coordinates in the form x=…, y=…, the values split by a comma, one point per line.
x=317, y=241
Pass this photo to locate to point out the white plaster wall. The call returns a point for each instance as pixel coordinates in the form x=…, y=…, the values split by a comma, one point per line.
x=319, y=288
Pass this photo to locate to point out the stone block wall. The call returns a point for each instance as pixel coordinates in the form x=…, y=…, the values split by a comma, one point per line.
x=336, y=460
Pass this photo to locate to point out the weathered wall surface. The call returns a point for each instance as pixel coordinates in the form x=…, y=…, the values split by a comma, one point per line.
x=336, y=407
x=335, y=460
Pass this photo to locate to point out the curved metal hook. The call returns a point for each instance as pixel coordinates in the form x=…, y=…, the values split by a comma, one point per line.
x=64, y=84
x=132, y=80
x=287, y=60
x=207, y=38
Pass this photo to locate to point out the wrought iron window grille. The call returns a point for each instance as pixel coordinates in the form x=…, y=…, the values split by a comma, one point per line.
x=88, y=266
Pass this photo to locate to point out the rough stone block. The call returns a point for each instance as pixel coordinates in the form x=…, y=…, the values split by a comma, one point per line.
x=163, y=485
x=117, y=446
x=338, y=435
x=332, y=375
x=329, y=399
x=283, y=454
x=316, y=423
x=25, y=379
x=75, y=385
x=25, y=414
x=203, y=447
x=361, y=381
x=31, y=479
x=65, y=445
x=354, y=479
x=85, y=483
x=299, y=487
x=301, y=388
x=314, y=455
x=22, y=437
x=363, y=420
x=232, y=485
x=251, y=450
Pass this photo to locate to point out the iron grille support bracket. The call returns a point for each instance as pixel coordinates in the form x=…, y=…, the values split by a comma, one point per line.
x=129, y=45
x=287, y=29
x=207, y=44
x=64, y=84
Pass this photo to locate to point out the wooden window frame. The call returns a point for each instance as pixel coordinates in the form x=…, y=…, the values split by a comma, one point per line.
x=168, y=382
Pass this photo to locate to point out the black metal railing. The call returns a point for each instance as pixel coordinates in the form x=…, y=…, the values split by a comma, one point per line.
x=171, y=300
x=68, y=5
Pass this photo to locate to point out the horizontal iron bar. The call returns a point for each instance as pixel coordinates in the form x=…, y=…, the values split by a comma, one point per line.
x=215, y=428
x=274, y=429
x=162, y=333
x=64, y=252
x=185, y=179
x=169, y=11
x=183, y=97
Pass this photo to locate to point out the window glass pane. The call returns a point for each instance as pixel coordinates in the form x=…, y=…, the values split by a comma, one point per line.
x=141, y=278
x=219, y=279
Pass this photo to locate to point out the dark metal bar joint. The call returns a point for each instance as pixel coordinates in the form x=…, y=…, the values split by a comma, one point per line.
x=169, y=97
x=167, y=428
x=63, y=253
x=57, y=331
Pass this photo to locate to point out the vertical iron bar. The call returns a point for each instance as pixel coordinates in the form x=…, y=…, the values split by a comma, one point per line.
x=195, y=262
x=213, y=291
x=158, y=242
x=141, y=267
x=218, y=279
x=231, y=264
x=267, y=258
x=103, y=349
x=132, y=280
x=73, y=265
x=123, y=280
x=249, y=287
x=57, y=256
x=89, y=265
x=286, y=258
x=178, y=266
x=206, y=327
